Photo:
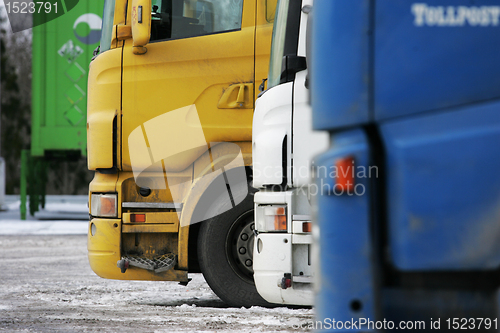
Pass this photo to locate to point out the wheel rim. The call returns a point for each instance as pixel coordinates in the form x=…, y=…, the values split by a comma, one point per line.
x=239, y=246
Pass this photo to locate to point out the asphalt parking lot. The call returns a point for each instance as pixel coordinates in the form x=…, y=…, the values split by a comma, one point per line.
x=48, y=286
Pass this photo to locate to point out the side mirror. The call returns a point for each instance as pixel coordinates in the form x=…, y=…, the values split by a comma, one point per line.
x=141, y=25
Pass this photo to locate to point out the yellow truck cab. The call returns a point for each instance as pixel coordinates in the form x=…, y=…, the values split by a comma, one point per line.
x=170, y=104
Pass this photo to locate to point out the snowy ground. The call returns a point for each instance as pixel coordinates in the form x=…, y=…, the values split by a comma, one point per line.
x=47, y=286
x=63, y=215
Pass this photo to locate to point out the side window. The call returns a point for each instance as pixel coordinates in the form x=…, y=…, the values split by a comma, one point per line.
x=174, y=19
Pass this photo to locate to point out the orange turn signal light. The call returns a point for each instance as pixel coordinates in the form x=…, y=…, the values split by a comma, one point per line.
x=345, y=175
x=137, y=217
x=108, y=206
x=306, y=227
x=280, y=222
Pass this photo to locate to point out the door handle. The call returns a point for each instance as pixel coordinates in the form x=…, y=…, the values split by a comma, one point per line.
x=237, y=96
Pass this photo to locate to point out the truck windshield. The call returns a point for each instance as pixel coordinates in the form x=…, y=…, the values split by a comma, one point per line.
x=107, y=25
x=278, y=43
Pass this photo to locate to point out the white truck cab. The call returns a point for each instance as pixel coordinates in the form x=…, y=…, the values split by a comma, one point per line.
x=283, y=147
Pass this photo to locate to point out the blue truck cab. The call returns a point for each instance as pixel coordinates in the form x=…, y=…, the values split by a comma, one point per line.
x=407, y=223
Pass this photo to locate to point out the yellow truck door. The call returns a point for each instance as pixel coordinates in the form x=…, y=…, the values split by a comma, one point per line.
x=201, y=53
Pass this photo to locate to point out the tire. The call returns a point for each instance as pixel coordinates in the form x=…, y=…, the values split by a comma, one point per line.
x=226, y=267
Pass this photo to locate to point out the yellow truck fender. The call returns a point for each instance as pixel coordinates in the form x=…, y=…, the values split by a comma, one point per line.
x=223, y=162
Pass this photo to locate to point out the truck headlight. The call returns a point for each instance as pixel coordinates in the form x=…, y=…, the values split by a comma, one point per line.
x=271, y=218
x=104, y=205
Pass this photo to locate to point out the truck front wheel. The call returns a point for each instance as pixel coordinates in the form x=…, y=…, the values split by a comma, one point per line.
x=225, y=253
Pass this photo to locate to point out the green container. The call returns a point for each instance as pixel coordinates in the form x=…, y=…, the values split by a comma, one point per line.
x=63, y=45
x=62, y=51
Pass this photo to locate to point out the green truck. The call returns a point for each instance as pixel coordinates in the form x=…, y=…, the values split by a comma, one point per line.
x=62, y=50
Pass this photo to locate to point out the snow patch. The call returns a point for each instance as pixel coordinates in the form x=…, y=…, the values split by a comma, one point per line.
x=18, y=227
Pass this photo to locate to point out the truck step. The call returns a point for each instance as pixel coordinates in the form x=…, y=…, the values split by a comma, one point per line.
x=159, y=264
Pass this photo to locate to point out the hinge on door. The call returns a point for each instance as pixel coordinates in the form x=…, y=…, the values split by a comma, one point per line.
x=123, y=32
